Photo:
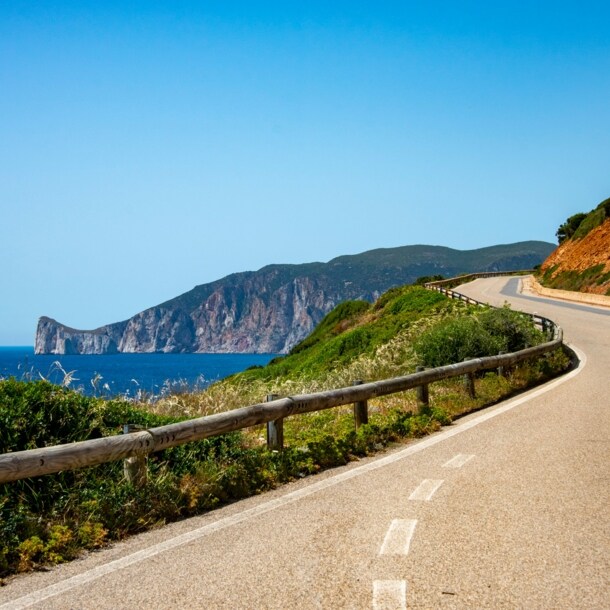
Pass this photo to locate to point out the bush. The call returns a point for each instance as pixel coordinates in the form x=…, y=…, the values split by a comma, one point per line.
x=39, y=414
x=514, y=330
x=569, y=227
x=454, y=340
x=485, y=334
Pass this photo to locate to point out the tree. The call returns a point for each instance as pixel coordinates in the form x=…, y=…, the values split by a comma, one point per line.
x=569, y=227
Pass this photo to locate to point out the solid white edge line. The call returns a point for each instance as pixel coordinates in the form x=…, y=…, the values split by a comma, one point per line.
x=389, y=595
x=398, y=537
x=425, y=490
x=118, y=564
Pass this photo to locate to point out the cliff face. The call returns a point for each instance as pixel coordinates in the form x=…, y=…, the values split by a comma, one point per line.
x=55, y=338
x=581, y=263
x=252, y=318
x=233, y=319
x=271, y=310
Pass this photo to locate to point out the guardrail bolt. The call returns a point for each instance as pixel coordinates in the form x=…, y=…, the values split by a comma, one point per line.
x=361, y=409
x=134, y=467
x=423, y=395
x=275, y=429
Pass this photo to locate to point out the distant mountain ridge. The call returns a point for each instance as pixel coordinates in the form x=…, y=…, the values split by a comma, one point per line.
x=272, y=309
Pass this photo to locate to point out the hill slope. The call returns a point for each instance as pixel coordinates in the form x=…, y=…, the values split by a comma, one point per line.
x=270, y=310
x=582, y=261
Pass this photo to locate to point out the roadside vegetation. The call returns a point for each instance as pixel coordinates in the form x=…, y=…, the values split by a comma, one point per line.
x=47, y=520
x=577, y=280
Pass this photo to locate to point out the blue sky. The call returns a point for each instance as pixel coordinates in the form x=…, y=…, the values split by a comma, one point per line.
x=148, y=147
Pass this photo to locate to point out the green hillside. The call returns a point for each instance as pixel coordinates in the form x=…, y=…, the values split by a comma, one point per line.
x=355, y=330
x=407, y=326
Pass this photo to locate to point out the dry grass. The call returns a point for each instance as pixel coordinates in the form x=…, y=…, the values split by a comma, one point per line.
x=392, y=359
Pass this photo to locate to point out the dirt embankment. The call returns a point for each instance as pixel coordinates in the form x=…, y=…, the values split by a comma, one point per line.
x=581, y=264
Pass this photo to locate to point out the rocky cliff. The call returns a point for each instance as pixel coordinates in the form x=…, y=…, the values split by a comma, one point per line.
x=270, y=310
x=582, y=261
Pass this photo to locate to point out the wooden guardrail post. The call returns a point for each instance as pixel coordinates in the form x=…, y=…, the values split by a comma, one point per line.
x=275, y=429
x=469, y=382
x=501, y=368
x=134, y=467
x=361, y=409
x=423, y=395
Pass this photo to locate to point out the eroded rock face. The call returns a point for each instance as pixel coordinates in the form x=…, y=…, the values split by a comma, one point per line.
x=253, y=319
x=55, y=338
x=270, y=310
x=579, y=255
x=158, y=329
x=243, y=319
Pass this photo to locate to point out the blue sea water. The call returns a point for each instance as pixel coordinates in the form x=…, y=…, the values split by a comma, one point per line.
x=129, y=375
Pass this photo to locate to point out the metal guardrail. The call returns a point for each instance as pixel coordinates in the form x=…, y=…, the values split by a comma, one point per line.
x=134, y=446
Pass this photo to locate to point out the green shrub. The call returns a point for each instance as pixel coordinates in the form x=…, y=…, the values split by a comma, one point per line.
x=40, y=414
x=476, y=336
x=514, y=330
x=454, y=340
x=569, y=227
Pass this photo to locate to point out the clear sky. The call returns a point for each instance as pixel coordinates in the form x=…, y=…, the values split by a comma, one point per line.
x=148, y=146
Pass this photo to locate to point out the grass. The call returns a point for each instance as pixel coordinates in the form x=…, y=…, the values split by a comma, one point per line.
x=575, y=280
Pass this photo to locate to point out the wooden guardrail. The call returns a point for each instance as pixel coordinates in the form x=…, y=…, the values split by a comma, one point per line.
x=462, y=279
x=134, y=446
x=546, y=325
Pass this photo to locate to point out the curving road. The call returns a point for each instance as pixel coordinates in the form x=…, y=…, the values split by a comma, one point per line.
x=507, y=508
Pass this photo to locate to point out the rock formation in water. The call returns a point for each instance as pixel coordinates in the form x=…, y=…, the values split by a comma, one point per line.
x=270, y=310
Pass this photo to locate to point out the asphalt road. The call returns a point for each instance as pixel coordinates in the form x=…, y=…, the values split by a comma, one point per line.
x=506, y=508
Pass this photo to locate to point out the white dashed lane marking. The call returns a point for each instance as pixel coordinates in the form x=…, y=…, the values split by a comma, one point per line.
x=425, y=490
x=458, y=461
x=398, y=538
x=390, y=595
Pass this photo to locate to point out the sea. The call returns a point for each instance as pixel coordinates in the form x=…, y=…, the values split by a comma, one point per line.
x=132, y=376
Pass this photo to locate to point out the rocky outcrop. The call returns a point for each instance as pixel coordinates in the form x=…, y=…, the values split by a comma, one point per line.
x=270, y=310
x=233, y=319
x=55, y=338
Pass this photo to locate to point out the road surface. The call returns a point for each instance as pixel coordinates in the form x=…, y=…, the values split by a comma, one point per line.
x=506, y=508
